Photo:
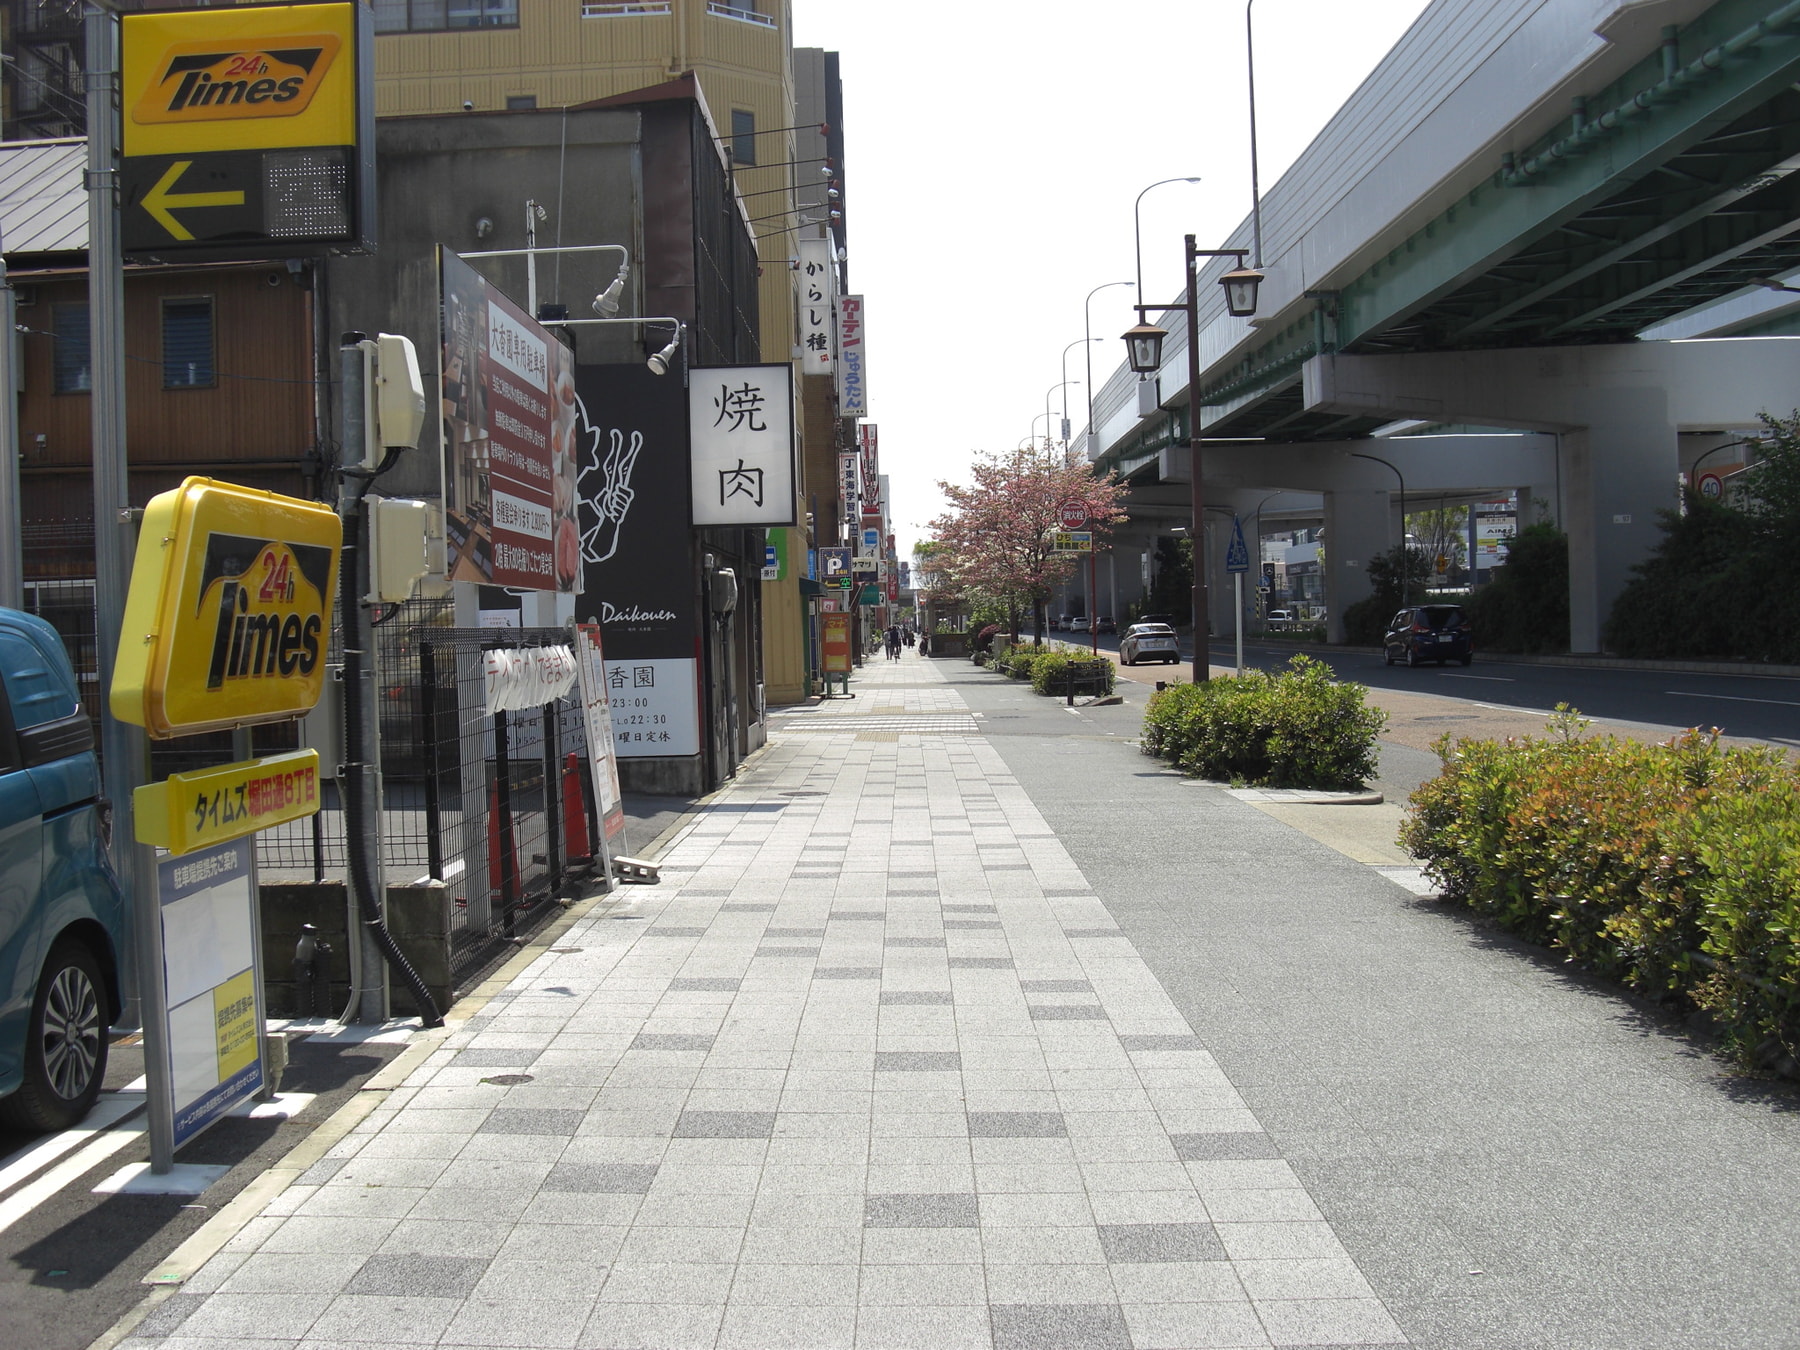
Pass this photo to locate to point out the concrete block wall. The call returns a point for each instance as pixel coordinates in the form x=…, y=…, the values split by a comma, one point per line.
x=418, y=917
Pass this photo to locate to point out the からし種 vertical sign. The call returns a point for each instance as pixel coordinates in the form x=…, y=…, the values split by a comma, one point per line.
x=741, y=445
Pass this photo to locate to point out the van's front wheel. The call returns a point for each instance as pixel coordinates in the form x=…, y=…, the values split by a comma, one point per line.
x=65, y=1048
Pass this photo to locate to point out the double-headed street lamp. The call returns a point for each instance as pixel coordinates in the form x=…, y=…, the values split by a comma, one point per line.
x=1143, y=346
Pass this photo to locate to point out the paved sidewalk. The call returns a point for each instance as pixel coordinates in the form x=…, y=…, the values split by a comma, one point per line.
x=873, y=1066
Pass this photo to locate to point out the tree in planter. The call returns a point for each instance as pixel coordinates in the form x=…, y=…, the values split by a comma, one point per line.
x=1395, y=577
x=1172, y=586
x=1525, y=608
x=1000, y=526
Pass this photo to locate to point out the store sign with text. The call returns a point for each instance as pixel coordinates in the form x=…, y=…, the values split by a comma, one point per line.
x=741, y=444
x=852, y=369
x=511, y=432
x=815, y=278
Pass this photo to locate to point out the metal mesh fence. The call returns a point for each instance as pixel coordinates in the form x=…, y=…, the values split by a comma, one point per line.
x=481, y=802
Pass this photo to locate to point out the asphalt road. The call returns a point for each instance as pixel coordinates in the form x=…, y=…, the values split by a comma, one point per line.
x=1744, y=707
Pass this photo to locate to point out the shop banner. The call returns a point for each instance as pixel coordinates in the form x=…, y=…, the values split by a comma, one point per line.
x=596, y=711
x=815, y=279
x=507, y=390
x=741, y=444
x=852, y=374
x=836, y=643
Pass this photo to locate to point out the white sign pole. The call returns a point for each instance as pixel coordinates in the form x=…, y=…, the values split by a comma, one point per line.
x=1237, y=585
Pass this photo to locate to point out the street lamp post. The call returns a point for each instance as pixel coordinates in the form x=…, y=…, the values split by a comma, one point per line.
x=1404, y=560
x=1067, y=381
x=1137, y=229
x=1143, y=346
x=1087, y=331
x=1047, y=393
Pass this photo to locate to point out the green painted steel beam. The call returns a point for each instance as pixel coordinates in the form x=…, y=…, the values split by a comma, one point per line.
x=1743, y=53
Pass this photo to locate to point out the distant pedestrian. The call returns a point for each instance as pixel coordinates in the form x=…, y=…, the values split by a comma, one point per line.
x=893, y=642
x=908, y=635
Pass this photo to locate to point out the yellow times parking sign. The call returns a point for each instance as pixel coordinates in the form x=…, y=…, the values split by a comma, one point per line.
x=229, y=611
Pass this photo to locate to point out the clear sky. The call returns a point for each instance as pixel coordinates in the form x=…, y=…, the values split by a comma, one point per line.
x=993, y=149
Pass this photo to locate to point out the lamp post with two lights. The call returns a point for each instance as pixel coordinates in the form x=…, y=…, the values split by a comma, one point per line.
x=1143, y=346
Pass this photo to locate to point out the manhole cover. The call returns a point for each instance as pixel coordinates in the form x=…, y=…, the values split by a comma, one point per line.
x=805, y=792
x=1448, y=717
x=565, y=951
x=509, y=1079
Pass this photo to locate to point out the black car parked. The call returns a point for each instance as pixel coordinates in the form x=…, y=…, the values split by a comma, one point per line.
x=1422, y=633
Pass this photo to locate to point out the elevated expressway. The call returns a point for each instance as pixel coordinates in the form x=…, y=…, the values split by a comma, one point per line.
x=1489, y=237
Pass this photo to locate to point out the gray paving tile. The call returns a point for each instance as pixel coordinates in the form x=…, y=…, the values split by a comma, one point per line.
x=930, y=998
x=1161, y=1043
x=515, y=1120
x=1017, y=1125
x=981, y=963
x=1249, y=1144
x=917, y=1061
x=414, y=1275
x=787, y=951
x=858, y=915
x=846, y=973
x=793, y=933
x=1155, y=1242
x=914, y=942
x=601, y=1178
x=969, y=909
x=725, y=1125
x=666, y=931
x=1056, y=987
x=1059, y=1326
x=956, y=1210
x=1063, y=1012
x=1094, y=932
x=705, y=985
x=666, y=1040
x=734, y=909
x=486, y=1057
x=965, y=925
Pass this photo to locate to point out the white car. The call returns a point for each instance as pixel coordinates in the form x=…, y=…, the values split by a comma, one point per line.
x=1149, y=642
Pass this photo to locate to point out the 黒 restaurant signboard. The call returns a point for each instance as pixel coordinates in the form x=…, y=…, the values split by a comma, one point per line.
x=247, y=130
x=511, y=426
x=637, y=555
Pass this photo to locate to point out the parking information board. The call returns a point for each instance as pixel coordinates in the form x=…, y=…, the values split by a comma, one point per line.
x=248, y=130
x=210, y=987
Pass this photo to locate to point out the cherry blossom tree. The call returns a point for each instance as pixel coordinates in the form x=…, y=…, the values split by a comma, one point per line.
x=1001, y=527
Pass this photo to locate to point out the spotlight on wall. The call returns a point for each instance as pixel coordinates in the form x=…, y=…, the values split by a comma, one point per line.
x=606, y=304
x=659, y=362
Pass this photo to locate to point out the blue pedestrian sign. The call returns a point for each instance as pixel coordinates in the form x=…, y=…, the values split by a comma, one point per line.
x=1237, y=556
x=871, y=539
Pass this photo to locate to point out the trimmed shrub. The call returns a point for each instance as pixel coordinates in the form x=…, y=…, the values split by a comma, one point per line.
x=1674, y=867
x=1047, y=672
x=1295, y=728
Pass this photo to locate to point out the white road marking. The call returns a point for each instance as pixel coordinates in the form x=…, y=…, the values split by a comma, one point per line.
x=1507, y=708
x=28, y=1198
x=1495, y=679
x=109, y=1110
x=1734, y=698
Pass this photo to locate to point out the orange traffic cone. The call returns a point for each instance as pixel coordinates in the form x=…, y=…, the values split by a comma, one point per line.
x=574, y=811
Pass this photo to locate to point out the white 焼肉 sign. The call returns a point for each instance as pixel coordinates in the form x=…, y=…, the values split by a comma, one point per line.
x=741, y=442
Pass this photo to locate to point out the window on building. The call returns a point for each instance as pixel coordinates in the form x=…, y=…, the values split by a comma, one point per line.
x=187, y=343
x=520, y=102
x=743, y=137
x=72, y=370
x=428, y=16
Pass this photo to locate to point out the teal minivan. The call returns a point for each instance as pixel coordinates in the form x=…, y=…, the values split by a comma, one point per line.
x=62, y=915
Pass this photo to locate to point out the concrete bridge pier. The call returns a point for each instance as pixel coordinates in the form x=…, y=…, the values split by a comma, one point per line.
x=1619, y=411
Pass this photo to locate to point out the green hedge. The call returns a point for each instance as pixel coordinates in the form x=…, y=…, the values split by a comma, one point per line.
x=1296, y=728
x=1047, y=671
x=1672, y=867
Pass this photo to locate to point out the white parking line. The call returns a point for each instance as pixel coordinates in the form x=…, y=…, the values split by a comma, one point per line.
x=1734, y=698
x=28, y=1198
x=109, y=1110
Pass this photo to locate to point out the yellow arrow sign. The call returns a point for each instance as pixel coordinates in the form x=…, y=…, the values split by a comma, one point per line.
x=159, y=200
